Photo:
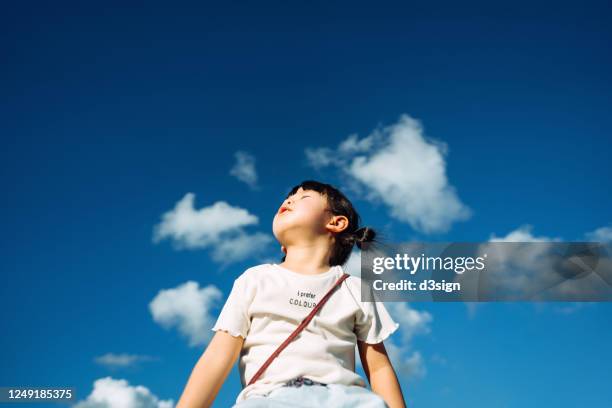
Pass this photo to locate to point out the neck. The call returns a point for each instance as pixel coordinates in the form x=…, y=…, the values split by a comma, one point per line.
x=308, y=258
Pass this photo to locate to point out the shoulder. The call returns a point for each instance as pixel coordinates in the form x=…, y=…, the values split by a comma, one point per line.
x=248, y=282
x=256, y=271
x=360, y=290
x=353, y=282
x=353, y=285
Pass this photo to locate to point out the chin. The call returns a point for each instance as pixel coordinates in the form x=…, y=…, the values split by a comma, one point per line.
x=277, y=231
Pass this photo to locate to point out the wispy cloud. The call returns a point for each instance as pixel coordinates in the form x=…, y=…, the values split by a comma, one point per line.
x=522, y=234
x=401, y=167
x=220, y=227
x=522, y=266
x=112, y=360
x=188, y=308
x=472, y=309
x=117, y=393
x=603, y=235
x=407, y=362
x=439, y=359
x=411, y=321
x=570, y=308
x=244, y=169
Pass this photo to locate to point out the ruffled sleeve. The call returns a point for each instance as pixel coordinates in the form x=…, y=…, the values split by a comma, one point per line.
x=373, y=324
x=234, y=317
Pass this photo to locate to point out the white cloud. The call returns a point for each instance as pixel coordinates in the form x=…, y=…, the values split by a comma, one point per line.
x=409, y=365
x=244, y=169
x=525, y=255
x=240, y=246
x=352, y=144
x=603, y=235
x=522, y=234
x=188, y=307
x=400, y=167
x=527, y=268
x=407, y=362
x=521, y=255
x=411, y=321
x=218, y=227
x=319, y=157
x=112, y=360
x=531, y=267
x=518, y=269
x=111, y=393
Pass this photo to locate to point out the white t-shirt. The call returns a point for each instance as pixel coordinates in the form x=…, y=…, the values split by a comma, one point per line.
x=268, y=302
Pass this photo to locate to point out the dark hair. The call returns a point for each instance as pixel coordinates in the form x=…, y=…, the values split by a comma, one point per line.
x=340, y=205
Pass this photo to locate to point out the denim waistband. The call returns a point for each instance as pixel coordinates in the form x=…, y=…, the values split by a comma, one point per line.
x=299, y=381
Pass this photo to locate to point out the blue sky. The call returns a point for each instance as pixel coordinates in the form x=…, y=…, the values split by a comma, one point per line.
x=112, y=116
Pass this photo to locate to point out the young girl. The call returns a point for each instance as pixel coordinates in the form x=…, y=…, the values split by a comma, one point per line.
x=317, y=227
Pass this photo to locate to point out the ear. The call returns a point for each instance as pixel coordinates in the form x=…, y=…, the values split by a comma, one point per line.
x=284, y=250
x=337, y=223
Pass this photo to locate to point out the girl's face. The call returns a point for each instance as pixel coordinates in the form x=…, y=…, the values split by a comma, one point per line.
x=303, y=215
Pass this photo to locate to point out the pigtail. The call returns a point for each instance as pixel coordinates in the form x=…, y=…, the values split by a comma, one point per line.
x=363, y=234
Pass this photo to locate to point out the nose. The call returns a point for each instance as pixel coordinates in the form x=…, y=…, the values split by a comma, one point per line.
x=286, y=203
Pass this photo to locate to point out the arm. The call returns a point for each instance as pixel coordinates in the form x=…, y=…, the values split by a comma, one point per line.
x=380, y=373
x=210, y=371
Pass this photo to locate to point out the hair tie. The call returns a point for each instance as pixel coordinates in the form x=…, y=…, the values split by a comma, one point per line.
x=363, y=234
x=358, y=235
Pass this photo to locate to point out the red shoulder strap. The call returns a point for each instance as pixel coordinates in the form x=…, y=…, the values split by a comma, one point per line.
x=298, y=329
